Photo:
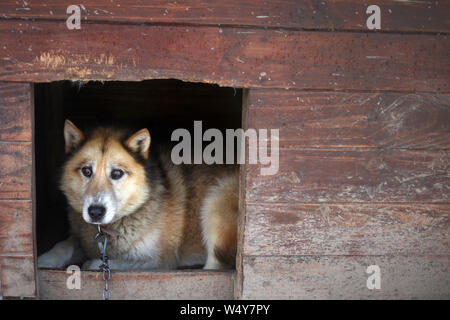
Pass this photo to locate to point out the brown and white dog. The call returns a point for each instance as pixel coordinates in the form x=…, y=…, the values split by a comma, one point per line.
x=163, y=215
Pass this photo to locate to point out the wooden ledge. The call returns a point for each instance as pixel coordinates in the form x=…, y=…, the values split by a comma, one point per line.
x=139, y=285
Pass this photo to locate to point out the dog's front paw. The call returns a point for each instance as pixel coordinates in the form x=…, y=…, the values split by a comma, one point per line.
x=50, y=260
x=93, y=264
x=61, y=255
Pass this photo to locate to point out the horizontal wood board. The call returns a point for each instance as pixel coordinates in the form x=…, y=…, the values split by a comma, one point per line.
x=396, y=16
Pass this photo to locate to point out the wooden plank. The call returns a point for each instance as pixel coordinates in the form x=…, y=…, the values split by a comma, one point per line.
x=16, y=227
x=1, y=286
x=189, y=285
x=344, y=119
x=412, y=16
x=16, y=240
x=345, y=277
x=242, y=225
x=15, y=171
x=341, y=229
x=346, y=176
x=15, y=111
x=17, y=276
x=237, y=57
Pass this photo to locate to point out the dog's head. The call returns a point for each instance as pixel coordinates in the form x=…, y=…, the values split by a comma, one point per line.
x=104, y=177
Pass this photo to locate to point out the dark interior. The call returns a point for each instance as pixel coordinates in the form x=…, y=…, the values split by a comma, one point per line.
x=159, y=105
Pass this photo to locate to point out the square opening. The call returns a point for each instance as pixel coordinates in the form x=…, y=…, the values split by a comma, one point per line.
x=159, y=105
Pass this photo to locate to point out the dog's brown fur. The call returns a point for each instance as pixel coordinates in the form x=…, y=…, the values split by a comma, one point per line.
x=186, y=213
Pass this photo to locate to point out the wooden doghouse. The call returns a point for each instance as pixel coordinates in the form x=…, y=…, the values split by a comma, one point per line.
x=364, y=135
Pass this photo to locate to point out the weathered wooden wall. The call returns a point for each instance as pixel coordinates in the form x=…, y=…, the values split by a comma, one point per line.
x=413, y=16
x=363, y=180
x=239, y=57
x=364, y=134
x=17, y=276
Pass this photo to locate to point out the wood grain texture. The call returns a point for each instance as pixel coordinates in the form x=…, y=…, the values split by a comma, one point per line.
x=238, y=57
x=411, y=16
x=1, y=286
x=242, y=218
x=17, y=276
x=341, y=229
x=15, y=171
x=16, y=227
x=16, y=238
x=353, y=120
x=189, y=285
x=346, y=176
x=344, y=277
x=15, y=111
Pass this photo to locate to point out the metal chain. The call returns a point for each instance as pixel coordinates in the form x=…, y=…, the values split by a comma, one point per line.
x=104, y=267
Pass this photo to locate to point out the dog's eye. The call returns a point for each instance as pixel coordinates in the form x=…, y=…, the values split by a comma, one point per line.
x=116, y=174
x=86, y=171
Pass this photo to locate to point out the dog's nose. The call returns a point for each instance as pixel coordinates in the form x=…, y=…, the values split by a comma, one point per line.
x=96, y=212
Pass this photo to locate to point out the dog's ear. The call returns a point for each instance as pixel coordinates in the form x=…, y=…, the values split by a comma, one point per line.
x=72, y=136
x=139, y=142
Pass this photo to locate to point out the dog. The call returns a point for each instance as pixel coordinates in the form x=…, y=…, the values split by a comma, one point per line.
x=158, y=215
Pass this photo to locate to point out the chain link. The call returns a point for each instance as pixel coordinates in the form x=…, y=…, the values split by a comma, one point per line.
x=102, y=240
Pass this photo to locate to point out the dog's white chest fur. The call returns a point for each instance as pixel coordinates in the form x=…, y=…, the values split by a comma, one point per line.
x=142, y=254
x=146, y=249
